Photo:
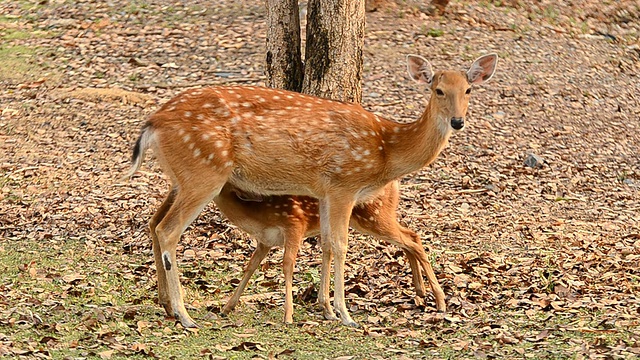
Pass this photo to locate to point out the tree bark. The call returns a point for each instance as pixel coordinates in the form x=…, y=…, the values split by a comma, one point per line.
x=437, y=7
x=284, y=60
x=334, y=46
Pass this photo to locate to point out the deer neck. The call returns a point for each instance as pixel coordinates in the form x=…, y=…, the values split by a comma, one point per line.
x=410, y=147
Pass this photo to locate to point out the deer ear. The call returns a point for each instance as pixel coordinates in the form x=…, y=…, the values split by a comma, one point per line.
x=419, y=69
x=482, y=69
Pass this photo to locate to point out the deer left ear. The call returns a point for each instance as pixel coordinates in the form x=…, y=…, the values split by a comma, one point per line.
x=482, y=69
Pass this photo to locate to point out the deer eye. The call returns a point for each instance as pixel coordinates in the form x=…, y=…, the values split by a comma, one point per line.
x=439, y=92
x=468, y=91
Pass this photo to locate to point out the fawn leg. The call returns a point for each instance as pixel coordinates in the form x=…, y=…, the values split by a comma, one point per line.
x=256, y=258
x=385, y=227
x=325, y=280
x=411, y=244
x=292, y=240
x=416, y=274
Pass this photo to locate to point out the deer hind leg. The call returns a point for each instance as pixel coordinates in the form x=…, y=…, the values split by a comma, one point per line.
x=258, y=255
x=335, y=212
x=163, y=295
x=188, y=203
x=292, y=240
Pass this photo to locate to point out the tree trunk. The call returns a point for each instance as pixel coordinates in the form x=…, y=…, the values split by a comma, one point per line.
x=333, y=55
x=284, y=60
x=437, y=7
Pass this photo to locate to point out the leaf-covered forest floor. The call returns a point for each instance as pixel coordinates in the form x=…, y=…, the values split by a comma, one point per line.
x=536, y=262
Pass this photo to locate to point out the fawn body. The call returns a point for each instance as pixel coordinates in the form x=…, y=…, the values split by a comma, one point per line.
x=274, y=142
x=284, y=220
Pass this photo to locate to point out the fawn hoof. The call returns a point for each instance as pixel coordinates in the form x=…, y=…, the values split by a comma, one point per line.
x=226, y=310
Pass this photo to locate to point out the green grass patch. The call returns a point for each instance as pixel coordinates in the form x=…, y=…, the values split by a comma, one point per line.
x=73, y=299
x=22, y=63
x=15, y=34
x=84, y=298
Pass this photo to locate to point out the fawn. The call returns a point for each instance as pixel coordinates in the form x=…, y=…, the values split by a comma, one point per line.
x=285, y=220
x=274, y=142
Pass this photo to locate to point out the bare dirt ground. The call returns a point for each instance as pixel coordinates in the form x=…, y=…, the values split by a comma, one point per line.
x=538, y=261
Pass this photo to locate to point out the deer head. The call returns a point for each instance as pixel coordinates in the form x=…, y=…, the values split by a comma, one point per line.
x=450, y=90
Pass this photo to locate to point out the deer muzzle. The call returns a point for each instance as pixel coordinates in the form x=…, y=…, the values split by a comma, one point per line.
x=457, y=123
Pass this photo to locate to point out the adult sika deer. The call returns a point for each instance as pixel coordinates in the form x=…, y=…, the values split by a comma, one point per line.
x=272, y=142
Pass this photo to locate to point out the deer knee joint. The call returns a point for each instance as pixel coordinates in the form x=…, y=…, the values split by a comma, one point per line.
x=166, y=259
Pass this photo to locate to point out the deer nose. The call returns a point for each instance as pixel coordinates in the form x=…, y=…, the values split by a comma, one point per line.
x=457, y=123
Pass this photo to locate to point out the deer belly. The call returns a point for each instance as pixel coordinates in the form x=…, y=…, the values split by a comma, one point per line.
x=272, y=236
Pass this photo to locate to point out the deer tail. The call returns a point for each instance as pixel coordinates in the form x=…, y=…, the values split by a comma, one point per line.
x=142, y=144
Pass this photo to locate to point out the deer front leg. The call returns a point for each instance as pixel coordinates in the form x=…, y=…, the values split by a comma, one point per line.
x=336, y=212
x=258, y=255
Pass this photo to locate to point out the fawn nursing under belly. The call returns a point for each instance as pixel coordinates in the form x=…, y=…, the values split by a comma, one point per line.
x=286, y=220
x=273, y=142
